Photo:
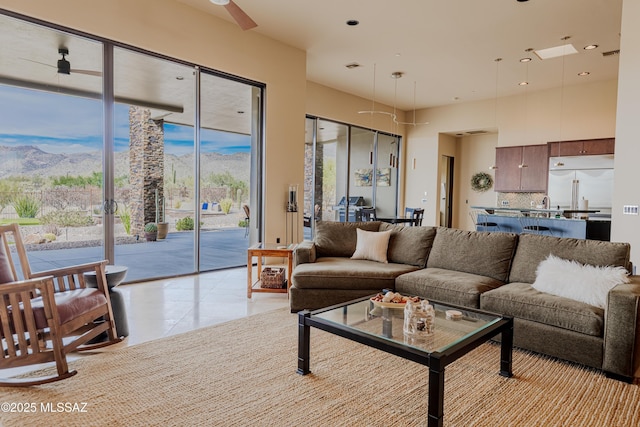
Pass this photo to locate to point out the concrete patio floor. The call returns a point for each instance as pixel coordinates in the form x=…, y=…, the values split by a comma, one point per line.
x=173, y=256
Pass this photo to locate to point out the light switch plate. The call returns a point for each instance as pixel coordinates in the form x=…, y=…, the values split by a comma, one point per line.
x=630, y=209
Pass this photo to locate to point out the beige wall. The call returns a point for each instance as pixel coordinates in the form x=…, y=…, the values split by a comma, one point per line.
x=179, y=31
x=474, y=154
x=626, y=228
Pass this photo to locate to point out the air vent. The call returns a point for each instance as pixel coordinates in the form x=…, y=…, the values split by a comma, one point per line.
x=353, y=65
x=611, y=52
x=476, y=132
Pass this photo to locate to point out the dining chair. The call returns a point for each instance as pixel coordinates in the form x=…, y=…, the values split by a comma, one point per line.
x=481, y=220
x=369, y=214
x=416, y=214
x=46, y=315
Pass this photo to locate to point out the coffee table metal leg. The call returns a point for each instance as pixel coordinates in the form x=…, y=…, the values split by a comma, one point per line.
x=506, y=350
x=304, y=332
x=436, y=391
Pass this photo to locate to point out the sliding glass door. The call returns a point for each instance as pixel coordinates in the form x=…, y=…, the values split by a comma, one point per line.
x=229, y=132
x=112, y=152
x=154, y=163
x=348, y=168
x=51, y=141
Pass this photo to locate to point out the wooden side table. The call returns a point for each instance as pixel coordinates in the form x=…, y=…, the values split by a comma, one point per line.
x=261, y=250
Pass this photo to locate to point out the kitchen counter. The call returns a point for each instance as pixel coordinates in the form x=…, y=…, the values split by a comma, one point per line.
x=508, y=221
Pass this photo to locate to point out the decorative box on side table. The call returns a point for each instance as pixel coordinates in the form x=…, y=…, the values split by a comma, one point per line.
x=261, y=250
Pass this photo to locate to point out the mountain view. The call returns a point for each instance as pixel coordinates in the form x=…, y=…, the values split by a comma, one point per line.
x=31, y=161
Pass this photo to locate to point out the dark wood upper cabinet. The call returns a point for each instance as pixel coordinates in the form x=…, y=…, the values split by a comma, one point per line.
x=584, y=147
x=522, y=168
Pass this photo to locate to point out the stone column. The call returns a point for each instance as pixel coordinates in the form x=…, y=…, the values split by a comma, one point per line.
x=146, y=166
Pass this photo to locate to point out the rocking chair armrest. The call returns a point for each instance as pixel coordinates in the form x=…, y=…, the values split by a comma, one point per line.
x=34, y=285
x=99, y=267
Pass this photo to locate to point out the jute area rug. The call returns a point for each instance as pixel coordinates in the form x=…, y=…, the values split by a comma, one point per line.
x=242, y=373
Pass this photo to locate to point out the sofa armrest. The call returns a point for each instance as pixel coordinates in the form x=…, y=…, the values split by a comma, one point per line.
x=304, y=253
x=622, y=329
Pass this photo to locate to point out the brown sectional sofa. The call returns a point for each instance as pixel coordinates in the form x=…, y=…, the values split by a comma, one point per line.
x=490, y=271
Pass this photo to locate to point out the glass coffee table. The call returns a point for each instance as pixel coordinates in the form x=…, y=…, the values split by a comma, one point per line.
x=382, y=327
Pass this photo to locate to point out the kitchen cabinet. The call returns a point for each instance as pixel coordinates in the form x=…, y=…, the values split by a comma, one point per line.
x=522, y=168
x=584, y=147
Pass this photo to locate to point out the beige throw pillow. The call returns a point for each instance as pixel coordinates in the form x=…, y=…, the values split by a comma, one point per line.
x=372, y=245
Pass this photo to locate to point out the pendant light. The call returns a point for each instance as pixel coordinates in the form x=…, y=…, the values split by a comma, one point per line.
x=560, y=163
x=394, y=117
x=495, y=103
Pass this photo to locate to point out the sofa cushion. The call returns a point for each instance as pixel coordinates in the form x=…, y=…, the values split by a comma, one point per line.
x=338, y=239
x=482, y=253
x=409, y=245
x=533, y=249
x=347, y=273
x=448, y=286
x=372, y=245
x=522, y=301
x=584, y=283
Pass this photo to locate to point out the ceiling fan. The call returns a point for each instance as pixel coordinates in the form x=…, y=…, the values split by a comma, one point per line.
x=243, y=20
x=64, y=66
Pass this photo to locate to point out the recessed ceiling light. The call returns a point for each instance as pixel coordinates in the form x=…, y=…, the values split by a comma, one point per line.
x=590, y=47
x=352, y=22
x=523, y=83
x=584, y=73
x=525, y=59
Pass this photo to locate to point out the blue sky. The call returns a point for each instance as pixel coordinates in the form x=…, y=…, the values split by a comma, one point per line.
x=58, y=123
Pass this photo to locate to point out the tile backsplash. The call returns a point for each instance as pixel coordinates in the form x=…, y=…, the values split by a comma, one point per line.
x=520, y=200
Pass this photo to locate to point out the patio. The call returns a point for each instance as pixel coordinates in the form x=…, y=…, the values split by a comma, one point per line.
x=221, y=248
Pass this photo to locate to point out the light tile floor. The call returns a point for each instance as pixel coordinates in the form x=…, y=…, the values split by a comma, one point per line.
x=161, y=308
x=166, y=307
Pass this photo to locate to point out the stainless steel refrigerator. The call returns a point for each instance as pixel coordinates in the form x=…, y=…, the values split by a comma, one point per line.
x=572, y=179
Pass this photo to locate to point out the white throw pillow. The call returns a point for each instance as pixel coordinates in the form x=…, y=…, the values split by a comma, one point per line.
x=580, y=282
x=372, y=245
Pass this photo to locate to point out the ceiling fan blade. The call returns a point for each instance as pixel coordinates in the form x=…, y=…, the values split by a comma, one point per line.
x=87, y=72
x=243, y=20
x=38, y=62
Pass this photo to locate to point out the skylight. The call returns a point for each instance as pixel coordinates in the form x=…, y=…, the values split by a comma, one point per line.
x=554, y=52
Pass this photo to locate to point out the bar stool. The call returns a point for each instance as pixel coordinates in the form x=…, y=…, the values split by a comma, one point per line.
x=530, y=223
x=481, y=221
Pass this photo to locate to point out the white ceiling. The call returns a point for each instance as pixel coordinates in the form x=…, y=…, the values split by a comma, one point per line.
x=445, y=48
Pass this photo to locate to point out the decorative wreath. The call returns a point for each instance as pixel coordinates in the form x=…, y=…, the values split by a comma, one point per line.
x=481, y=181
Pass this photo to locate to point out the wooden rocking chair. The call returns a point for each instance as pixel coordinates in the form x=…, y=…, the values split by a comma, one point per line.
x=37, y=313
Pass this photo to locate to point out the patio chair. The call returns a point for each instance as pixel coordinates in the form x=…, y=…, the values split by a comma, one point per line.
x=37, y=313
